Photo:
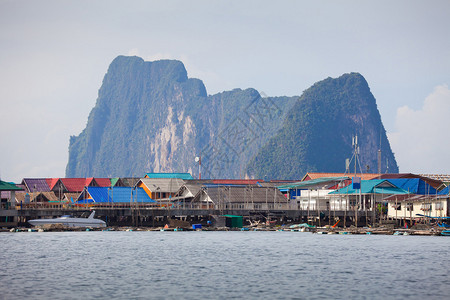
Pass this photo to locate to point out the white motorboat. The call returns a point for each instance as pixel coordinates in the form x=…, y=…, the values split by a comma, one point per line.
x=71, y=222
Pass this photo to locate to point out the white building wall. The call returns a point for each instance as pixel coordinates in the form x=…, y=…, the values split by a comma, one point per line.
x=438, y=209
x=312, y=200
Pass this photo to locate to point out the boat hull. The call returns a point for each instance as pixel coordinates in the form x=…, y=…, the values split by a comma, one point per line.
x=71, y=222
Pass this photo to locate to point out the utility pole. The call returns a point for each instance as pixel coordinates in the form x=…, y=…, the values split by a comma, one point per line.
x=198, y=159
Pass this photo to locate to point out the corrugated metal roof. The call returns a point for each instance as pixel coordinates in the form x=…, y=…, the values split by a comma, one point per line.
x=118, y=194
x=364, y=176
x=414, y=186
x=375, y=186
x=8, y=186
x=315, y=183
x=414, y=198
x=440, y=177
x=103, y=182
x=184, y=176
x=127, y=181
x=242, y=194
x=444, y=191
x=189, y=190
x=100, y=194
x=237, y=181
x=36, y=185
x=51, y=182
x=168, y=185
x=433, y=182
x=76, y=184
x=114, y=181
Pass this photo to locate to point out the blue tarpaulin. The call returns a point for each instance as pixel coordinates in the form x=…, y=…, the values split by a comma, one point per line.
x=414, y=186
x=117, y=194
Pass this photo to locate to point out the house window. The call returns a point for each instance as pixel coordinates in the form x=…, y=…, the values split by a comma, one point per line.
x=439, y=206
x=397, y=206
x=426, y=207
x=305, y=203
x=409, y=207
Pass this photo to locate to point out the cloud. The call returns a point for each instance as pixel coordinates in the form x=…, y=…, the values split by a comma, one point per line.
x=420, y=141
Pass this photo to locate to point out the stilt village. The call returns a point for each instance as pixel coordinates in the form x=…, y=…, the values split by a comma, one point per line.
x=319, y=202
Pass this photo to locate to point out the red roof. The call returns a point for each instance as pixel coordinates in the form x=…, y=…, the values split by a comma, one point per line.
x=88, y=181
x=76, y=184
x=103, y=182
x=51, y=182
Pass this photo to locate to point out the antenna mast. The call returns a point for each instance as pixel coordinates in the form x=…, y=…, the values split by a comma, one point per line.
x=379, y=155
x=354, y=156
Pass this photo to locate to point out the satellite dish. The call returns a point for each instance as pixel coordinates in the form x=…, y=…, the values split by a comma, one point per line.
x=197, y=159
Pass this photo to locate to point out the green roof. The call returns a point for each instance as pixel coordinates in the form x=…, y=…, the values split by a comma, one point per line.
x=114, y=181
x=374, y=186
x=184, y=176
x=7, y=186
x=314, y=183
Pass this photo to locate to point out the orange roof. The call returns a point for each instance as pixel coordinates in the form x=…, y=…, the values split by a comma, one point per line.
x=364, y=176
x=88, y=181
x=51, y=182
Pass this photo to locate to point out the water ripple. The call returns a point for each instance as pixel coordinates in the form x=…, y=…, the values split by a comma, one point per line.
x=220, y=265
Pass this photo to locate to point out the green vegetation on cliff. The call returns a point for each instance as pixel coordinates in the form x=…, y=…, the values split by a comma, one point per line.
x=317, y=133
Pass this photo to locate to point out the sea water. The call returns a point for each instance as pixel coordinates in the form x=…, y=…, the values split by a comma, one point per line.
x=222, y=265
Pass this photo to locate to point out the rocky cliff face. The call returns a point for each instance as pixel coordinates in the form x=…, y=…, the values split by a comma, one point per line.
x=150, y=117
x=317, y=133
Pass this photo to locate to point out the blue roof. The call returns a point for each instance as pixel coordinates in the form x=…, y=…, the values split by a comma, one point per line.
x=184, y=176
x=414, y=186
x=118, y=194
x=374, y=186
x=444, y=191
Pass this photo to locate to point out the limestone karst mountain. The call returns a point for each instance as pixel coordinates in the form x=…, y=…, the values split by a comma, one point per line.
x=150, y=117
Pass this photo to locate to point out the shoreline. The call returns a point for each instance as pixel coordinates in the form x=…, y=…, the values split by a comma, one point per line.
x=315, y=230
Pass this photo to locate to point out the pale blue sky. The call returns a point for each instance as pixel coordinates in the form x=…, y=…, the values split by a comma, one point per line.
x=54, y=54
